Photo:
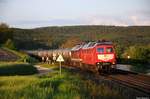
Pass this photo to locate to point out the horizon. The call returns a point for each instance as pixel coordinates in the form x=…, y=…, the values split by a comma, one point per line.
x=29, y=14
x=77, y=26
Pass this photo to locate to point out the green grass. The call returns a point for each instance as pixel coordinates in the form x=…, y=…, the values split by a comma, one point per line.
x=20, y=54
x=53, y=86
x=17, y=69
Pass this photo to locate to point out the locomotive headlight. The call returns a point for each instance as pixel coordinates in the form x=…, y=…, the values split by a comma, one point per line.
x=70, y=53
x=113, y=63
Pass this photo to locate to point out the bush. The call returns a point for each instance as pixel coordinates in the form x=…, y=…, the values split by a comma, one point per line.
x=17, y=69
x=9, y=44
x=119, y=50
x=28, y=59
x=138, y=54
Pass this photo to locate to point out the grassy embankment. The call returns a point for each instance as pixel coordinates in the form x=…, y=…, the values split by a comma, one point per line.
x=53, y=86
x=18, y=66
x=23, y=56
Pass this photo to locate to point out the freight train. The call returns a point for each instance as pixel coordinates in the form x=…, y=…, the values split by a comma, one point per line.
x=94, y=56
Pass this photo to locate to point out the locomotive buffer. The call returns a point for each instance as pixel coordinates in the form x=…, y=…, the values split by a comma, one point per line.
x=60, y=59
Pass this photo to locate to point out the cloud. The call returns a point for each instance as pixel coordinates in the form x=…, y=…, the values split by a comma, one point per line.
x=105, y=20
x=142, y=18
x=128, y=19
x=43, y=23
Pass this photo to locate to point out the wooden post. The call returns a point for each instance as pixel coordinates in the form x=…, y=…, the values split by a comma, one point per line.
x=60, y=67
x=60, y=59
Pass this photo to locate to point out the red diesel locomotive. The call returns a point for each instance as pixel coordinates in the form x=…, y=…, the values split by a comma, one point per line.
x=99, y=56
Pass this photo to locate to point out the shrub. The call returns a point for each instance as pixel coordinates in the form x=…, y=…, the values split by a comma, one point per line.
x=9, y=44
x=17, y=69
x=140, y=54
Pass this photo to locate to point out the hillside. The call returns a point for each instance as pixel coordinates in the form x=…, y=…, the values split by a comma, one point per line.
x=6, y=55
x=68, y=36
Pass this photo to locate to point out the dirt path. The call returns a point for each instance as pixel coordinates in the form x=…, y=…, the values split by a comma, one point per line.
x=43, y=70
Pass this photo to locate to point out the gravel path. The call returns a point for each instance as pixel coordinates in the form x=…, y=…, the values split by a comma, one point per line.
x=43, y=70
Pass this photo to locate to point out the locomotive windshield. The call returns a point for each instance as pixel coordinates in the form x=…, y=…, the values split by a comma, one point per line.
x=100, y=50
x=109, y=50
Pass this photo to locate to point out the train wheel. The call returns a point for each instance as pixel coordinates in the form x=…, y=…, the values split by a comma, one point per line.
x=74, y=64
x=80, y=64
x=100, y=69
x=83, y=66
x=109, y=69
x=113, y=68
x=105, y=69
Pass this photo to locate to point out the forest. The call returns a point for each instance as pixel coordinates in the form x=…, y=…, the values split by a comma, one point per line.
x=68, y=36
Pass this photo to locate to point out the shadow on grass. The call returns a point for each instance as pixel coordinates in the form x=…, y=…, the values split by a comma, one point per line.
x=17, y=69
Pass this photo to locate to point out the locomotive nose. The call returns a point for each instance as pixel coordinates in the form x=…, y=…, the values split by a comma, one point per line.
x=105, y=57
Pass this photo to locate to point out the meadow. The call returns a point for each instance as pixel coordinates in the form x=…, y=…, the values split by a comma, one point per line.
x=69, y=85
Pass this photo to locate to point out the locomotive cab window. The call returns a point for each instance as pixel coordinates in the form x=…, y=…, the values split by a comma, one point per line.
x=100, y=50
x=109, y=50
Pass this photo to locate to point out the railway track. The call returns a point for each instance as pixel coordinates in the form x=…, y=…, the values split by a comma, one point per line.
x=133, y=80
x=128, y=79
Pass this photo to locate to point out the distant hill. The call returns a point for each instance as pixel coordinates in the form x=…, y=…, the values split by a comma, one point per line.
x=68, y=36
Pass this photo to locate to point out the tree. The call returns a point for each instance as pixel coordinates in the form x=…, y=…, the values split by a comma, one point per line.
x=5, y=33
x=71, y=42
x=138, y=53
x=119, y=50
x=10, y=44
x=3, y=26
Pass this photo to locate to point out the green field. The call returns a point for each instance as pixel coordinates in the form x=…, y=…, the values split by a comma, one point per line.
x=53, y=86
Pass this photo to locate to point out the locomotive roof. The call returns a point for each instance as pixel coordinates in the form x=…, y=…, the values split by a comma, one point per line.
x=105, y=43
x=91, y=45
x=77, y=47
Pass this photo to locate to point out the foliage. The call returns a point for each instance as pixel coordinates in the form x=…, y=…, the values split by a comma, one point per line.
x=17, y=69
x=72, y=41
x=119, y=50
x=66, y=86
x=56, y=37
x=28, y=59
x=9, y=44
x=3, y=26
x=138, y=54
x=5, y=33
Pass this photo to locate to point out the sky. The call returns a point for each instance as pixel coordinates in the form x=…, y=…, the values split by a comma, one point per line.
x=41, y=13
